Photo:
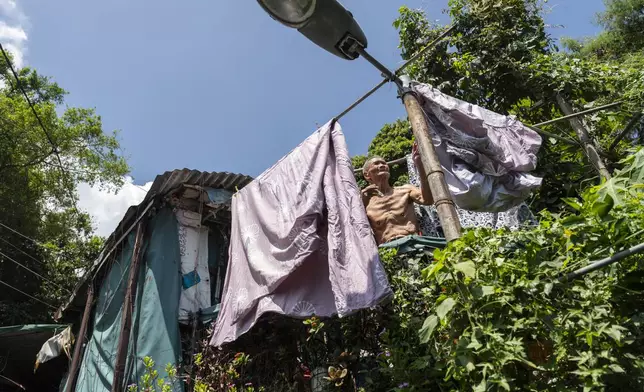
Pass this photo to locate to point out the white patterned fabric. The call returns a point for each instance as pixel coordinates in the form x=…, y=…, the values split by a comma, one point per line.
x=430, y=225
x=301, y=243
x=486, y=157
x=193, y=250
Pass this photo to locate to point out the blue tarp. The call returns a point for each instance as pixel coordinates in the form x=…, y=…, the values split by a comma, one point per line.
x=155, y=330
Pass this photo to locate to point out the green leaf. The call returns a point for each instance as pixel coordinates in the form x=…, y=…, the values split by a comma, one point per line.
x=430, y=271
x=482, y=291
x=428, y=328
x=615, y=332
x=445, y=307
x=574, y=203
x=503, y=383
x=481, y=387
x=467, y=268
x=616, y=368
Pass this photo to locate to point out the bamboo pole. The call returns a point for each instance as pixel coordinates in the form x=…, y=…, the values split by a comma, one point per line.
x=80, y=339
x=584, y=138
x=126, y=320
x=442, y=198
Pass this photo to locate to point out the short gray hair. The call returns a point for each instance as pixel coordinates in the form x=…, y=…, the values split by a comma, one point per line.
x=368, y=163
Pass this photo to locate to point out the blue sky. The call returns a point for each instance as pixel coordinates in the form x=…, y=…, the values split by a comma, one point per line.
x=218, y=85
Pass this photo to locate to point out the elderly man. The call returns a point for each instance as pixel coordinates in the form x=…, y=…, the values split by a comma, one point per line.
x=390, y=209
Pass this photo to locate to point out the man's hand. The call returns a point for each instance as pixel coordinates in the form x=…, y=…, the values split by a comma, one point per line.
x=415, y=154
x=368, y=192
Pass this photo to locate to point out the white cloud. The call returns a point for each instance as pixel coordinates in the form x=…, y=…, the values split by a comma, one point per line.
x=13, y=34
x=107, y=208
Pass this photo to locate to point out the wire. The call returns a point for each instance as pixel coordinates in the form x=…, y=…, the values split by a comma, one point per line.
x=401, y=68
x=35, y=273
x=15, y=75
x=22, y=235
x=33, y=109
x=359, y=100
x=28, y=295
x=21, y=251
x=425, y=49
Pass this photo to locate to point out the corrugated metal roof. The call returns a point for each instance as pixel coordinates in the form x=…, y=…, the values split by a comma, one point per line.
x=163, y=183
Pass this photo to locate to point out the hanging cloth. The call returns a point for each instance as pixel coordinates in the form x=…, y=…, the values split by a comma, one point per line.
x=301, y=243
x=486, y=157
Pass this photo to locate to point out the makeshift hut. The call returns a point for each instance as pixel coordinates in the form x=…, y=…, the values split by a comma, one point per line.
x=160, y=274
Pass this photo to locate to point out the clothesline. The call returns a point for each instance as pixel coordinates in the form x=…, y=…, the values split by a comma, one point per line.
x=396, y=72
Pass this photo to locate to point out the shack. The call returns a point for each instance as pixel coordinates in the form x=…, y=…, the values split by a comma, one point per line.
x=159, y=275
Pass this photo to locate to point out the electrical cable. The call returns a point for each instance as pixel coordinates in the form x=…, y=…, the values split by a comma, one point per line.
x=28, y=295
x=35, y=273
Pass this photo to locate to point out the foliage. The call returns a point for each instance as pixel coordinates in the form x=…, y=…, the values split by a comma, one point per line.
x=487, y=313
x=500, y=57
x=38, y=198
x=491, y=314
x=150, y=381
x=393, y=141
x=623, y=24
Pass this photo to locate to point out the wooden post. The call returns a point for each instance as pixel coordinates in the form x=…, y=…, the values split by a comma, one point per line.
x=435, y=176
x=585, y=139
x=80, y=338
x=126, y=319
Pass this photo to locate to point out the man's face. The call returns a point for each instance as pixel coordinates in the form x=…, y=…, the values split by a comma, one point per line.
x=378, y=171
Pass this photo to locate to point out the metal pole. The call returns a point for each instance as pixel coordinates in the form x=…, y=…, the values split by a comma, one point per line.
x=573, y=115
x=126, y=320
x=603, y=263
x=442, y=198
x=80, y=339
x=584, y=138
x=384, y=70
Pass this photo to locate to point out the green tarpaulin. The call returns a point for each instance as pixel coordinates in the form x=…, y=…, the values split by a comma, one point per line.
x=155, y=330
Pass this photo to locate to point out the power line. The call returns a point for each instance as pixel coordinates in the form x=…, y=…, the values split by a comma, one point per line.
x=415, y=57
x=35, y=273
x=22, y=235
x=28, y=295
x=21, y=251
x=33, y=109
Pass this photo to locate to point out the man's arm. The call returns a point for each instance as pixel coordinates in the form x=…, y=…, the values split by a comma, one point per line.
x=423, y=195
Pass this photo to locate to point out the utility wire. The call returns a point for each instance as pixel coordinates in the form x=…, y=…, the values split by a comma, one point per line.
x=425, y=49
x=22, y=235
x=33, y=109
x=35, y=273
x=396, y=73
x=21, y=251
x=28, y=295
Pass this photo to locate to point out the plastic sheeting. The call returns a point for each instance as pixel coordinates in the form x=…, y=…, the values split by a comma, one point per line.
x=54, y=346
x=155, y=331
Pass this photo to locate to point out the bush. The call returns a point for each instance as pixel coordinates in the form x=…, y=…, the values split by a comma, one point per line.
x=488, y=313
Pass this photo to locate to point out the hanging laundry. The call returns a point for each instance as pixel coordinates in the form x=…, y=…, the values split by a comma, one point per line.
x=486, y=156
x=301, y=244
x=429, y=224
x=195, y=274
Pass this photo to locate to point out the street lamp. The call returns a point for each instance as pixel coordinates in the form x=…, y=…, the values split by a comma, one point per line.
x=327, y=23
x=332, y=27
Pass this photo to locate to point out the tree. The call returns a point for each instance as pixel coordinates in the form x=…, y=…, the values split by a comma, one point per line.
x=43, y=230
x=500, y=57
x=623, y=25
